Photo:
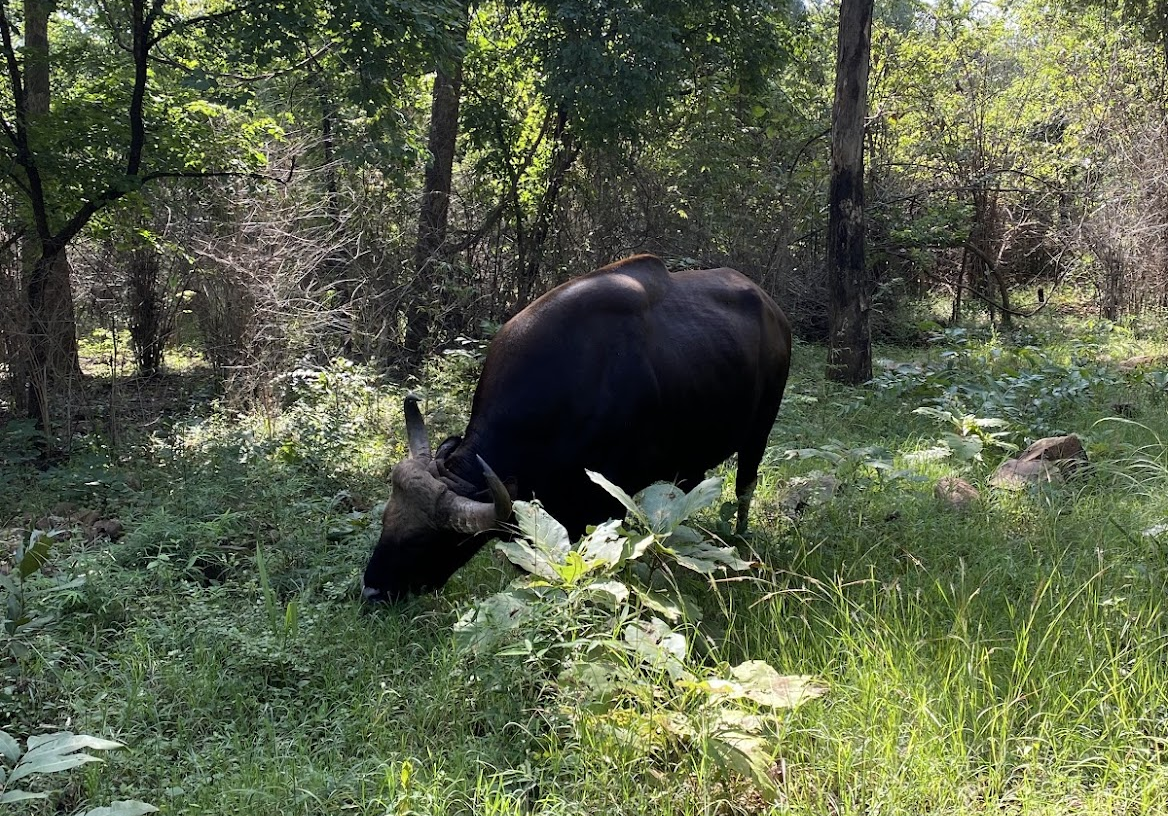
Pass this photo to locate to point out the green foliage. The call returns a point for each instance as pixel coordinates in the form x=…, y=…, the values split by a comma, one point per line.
x=613, y=645
x=969, y=435
x=54, y=753
x=1014, y=378
x=20, y=591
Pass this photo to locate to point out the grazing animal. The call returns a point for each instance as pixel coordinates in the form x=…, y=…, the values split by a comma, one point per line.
x=640, y=374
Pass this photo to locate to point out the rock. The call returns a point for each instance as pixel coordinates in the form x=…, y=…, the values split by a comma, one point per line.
x=87, y=517
x=956, y=493
x=1067, y=451
x=1047, y=460
x=1141, y=361
x=801, y=492
x=1014, y=474
x=113, y=529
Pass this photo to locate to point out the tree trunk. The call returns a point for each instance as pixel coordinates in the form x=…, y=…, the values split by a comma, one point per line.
x=52, y=326
x=431, y=251
x=849, y=284
x=564, y=153
x=52, y=333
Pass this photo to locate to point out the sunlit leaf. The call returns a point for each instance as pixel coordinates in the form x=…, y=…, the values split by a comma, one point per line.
x=9, y=747
x=706, y=558
x=655, y=643
x=488, y=620
x=545, y=533
x=617, y=493
x=527, y=558
x=605, y=544
x=761, y=683
x=608, y=593
x=666, y=506
x=747, y=755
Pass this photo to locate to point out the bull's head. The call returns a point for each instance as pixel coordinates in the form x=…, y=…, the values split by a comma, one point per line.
x=428, y=520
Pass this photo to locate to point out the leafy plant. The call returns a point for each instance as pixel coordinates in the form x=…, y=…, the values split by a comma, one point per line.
x=606, y=624
x=21, y=621
x=862, y=464
x=969, y=435
x=54, y=753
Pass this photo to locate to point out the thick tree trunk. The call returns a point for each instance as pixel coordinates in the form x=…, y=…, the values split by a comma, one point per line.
x=849, y=284
x=431, y=250
x=52, y=358
x=52, y=327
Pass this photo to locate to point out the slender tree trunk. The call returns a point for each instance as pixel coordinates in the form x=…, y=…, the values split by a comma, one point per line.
x=564, y=153
x=849, y=284
x=431, y=252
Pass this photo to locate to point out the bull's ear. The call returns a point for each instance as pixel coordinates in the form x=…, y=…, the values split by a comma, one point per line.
x=448, y=446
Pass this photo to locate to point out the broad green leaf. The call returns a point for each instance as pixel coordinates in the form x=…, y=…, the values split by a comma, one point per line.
x=666, y=506
x=483, y=624
x=9, y=747
x=657, y=645
x=765, y=686
x=604, y=544
x=635, y=547
x=965, y=448
x=608, y=593
x=618, y=494
x=573, y=568
x=122, y=807
x=48, y=763
x=31, y=558
x=746, y=755
x=527, y=558
x=20, y=796
x=706, y=558
x=545, y=533
x=598, y=677
x=64, y=742
x=658, y=603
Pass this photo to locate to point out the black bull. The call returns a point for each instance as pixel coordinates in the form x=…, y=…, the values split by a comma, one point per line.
x=631, y=371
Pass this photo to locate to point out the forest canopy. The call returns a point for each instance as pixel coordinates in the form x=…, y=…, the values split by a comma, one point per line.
x=270, y=182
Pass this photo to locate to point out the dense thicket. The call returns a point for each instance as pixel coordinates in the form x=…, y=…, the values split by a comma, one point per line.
x=281, y=180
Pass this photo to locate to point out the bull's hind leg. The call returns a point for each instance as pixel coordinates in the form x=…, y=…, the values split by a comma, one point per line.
x=745, y=493
x=749, y=458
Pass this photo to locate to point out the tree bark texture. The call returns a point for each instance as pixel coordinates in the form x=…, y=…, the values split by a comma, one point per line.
x=431, y=253
x=849, y=284
x=52, y=327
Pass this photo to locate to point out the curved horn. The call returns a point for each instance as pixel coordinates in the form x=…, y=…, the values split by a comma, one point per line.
x=416, y=439
x=471, y=516
x=499, y=492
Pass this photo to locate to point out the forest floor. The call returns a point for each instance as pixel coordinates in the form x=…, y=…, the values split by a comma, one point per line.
x=198, y=603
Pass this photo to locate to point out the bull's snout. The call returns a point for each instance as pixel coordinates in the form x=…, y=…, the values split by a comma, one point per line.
x=373, y=595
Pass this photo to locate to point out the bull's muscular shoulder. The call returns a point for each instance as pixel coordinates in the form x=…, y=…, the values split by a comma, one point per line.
x=630, y=284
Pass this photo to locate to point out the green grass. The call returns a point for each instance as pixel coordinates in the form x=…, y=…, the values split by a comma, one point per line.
x=1012, y=658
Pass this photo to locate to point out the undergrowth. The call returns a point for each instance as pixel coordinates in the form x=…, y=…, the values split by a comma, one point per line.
x=1008, y=657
